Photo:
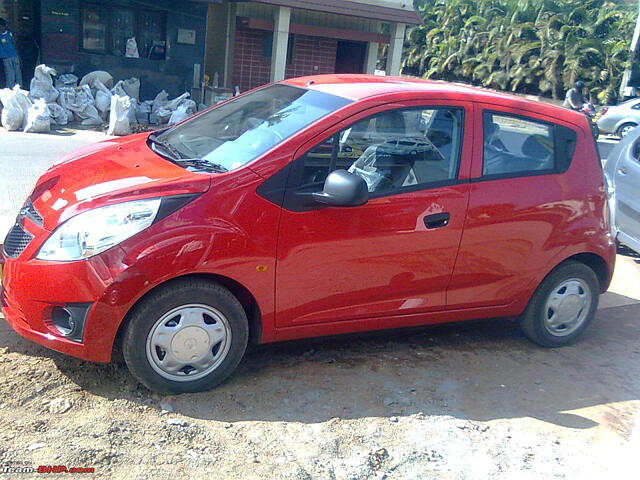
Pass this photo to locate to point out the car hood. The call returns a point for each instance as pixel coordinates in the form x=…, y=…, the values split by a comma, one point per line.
x=109, y=172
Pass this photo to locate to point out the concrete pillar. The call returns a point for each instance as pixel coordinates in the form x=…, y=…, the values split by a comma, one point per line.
x=282, y=20
x=394, y=54
x=229, y=54
x=371, y=59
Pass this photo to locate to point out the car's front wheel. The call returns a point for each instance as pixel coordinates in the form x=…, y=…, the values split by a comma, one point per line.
x=562, y=306
x=625, y=129
x=187, y=336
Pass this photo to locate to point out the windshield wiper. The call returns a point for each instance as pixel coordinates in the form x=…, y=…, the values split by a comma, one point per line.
x=202, y=164
x=174, y=154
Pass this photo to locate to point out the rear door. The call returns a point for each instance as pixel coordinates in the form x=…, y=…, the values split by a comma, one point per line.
x=627, y=195
x=395, y=254
x=516, y=205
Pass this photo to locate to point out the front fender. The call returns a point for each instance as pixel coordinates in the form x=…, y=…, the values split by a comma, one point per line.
x=228, y=235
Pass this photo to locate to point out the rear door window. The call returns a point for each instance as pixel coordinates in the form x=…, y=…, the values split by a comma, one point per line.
x=516, y=145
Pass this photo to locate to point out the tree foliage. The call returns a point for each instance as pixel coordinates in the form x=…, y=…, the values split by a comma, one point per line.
x=528, y=46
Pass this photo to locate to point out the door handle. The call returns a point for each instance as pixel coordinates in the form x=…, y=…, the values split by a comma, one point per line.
x=622, y=171
x=437, y=220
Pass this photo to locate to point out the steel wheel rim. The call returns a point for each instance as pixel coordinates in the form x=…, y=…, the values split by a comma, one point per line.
x=625, y=130
x=188, y=342
x=567, y=307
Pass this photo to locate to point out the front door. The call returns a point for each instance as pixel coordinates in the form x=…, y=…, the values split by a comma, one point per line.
x=627, y=196
x=395, y=254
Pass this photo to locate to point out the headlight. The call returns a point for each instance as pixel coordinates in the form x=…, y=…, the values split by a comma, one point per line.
x=95, y=231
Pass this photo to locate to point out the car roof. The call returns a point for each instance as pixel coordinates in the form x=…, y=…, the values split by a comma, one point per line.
x=358, y=87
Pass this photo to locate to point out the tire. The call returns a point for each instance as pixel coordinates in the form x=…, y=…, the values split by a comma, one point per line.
x=187, y=336
x=542, y=322
x=624, y=129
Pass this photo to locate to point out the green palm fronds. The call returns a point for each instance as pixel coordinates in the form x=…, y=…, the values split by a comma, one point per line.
x=529, y=46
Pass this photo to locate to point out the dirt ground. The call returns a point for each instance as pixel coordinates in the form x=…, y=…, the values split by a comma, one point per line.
x=470, y=401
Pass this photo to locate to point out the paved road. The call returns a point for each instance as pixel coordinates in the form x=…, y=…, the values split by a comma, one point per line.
x=605, y=145
x=26, y=156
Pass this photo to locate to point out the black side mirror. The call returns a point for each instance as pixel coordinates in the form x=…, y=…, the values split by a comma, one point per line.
x=343, y=189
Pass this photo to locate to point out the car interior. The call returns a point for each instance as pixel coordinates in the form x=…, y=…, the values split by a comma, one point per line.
x=391, y=151
x=515, y=145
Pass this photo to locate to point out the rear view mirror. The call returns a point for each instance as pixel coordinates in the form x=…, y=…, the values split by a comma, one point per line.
x=343, y=189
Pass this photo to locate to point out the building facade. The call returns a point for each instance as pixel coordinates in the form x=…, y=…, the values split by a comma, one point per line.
x=24, y=21
x=241, y=43
x=268, y=40
x=80, y=36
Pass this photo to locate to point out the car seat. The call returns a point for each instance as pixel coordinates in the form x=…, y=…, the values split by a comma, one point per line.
x=539, y=152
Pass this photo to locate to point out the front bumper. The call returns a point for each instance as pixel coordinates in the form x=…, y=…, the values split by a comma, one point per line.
x=31, y=289
x=20, y=325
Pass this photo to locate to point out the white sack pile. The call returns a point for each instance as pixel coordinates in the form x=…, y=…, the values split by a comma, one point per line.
x=98, y=76
x=38, y=117
x=119, y=121
x=90, y=102
x=174, y=111
x=16, y=105
x=42, y=84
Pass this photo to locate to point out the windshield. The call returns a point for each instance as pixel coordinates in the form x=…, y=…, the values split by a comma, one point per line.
x=244, y=128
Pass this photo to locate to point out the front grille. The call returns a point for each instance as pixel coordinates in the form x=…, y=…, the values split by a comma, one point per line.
x=30, y=211
x=16, y=241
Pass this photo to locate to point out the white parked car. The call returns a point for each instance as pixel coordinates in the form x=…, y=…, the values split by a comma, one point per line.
x=622, y=172
x=620, y=119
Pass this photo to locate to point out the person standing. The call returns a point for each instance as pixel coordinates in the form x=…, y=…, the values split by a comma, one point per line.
x=575, y=97
x=9, y=56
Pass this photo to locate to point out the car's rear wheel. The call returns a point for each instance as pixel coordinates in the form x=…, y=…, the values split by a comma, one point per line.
x=563, y=305
x=625, y=128
x=187, y=336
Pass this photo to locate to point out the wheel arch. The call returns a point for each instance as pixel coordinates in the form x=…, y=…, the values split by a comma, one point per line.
x=595, y=262
x=625, y=121
x=244, y=296
x=592, y=260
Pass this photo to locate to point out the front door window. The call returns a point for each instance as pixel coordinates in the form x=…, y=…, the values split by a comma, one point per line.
x=395, y=151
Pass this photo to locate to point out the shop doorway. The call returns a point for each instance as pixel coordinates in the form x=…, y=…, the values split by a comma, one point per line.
x=350, y=57
x=23, y=18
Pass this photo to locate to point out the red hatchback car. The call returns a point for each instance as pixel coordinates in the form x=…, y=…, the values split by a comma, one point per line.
x=315, y=206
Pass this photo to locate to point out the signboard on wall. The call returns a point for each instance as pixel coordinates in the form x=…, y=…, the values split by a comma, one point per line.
x=187, y=37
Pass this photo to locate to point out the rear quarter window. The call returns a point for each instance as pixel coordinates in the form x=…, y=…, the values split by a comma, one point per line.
x=516, y=145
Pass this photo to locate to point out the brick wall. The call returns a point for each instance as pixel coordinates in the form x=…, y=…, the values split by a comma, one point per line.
x=250, y=67
x=311, y=56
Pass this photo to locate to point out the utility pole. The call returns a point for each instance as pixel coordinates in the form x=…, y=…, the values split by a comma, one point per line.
x=626, y=78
